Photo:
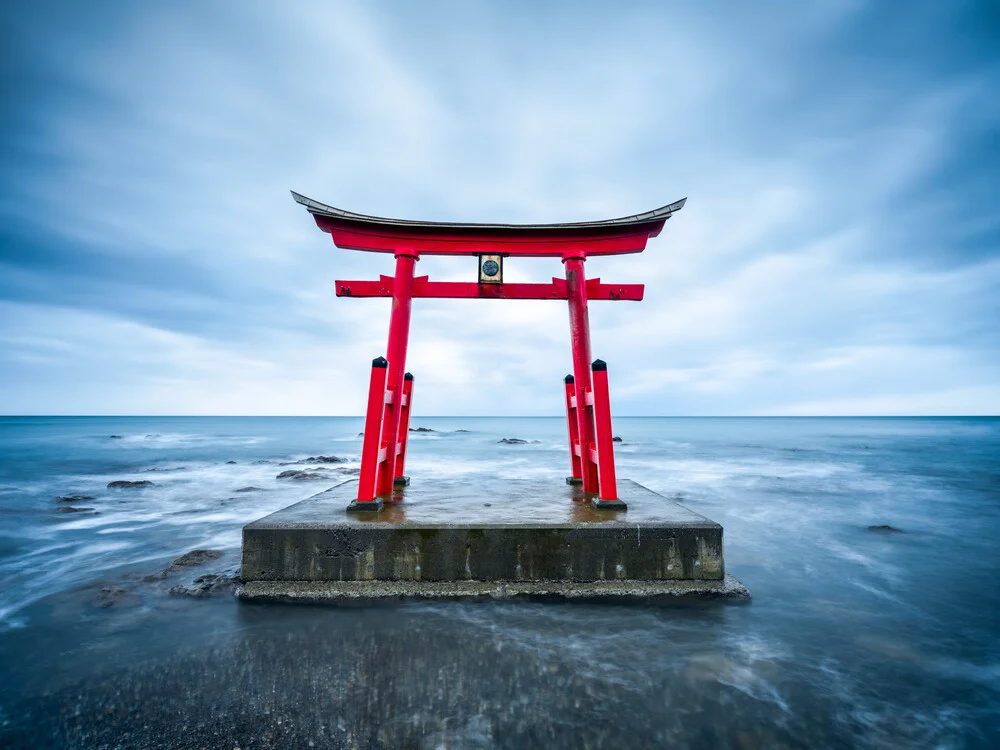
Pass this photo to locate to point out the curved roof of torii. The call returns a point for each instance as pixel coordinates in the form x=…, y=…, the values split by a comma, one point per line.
x=321, y=209
x=352, y=231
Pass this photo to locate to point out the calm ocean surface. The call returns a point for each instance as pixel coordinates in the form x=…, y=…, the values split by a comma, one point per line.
x=854, y=638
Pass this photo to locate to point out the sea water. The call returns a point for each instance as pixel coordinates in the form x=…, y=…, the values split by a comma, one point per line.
x=855, y=637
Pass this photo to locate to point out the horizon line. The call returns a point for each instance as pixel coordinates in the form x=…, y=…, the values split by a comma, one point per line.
x=501, y=416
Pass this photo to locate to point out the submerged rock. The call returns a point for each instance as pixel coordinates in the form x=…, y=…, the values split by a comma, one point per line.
x=206, y=585
x=461, y=430
x=315, y=460
x=250, y=489
x=616, y=439
x=513, y=441
x=72, y=509
x=114, y=437
x=194, y=557
x=109, y=595
x=124, y=484
x=299, y=475
x=73, y=498
x=885, y=528
x=421, y=429
x=230, y=462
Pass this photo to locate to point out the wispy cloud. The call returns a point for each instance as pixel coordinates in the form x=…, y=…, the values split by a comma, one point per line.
x=839, y=250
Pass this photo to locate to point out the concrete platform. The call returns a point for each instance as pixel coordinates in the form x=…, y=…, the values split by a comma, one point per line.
x=459, y=540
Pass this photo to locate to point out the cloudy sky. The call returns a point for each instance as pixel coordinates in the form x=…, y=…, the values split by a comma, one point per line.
x=839, y=252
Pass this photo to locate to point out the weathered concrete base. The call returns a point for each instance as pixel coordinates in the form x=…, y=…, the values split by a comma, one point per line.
x=464, y=540
x=319, y=592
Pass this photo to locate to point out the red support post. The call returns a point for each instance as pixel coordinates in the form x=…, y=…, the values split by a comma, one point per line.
x=605, y=440
x=398, y=479
x=579, y=330
x=399, y=333
x=367, y=499
x=574, y=433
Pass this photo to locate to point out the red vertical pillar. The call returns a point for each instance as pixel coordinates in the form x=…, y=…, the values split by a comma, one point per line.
x=579, y=331
x=398, y=480
x=605, y=440
x=574, y=433
x=373, y=433
x=399, y=334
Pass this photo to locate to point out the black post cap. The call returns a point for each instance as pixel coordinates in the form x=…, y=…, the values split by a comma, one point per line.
x=408, y=376
x=569, y=379
x=599, y=364
x=380, y=362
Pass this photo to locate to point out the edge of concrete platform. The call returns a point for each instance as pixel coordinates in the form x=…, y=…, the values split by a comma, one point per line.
x=327, y=509
x=334, y=592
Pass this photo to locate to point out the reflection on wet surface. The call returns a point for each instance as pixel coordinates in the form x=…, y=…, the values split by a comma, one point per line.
x=509, y=502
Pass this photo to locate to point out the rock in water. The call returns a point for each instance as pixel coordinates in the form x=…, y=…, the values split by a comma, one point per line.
x=123, y=484
x=421, y=429
x=195, y=557
x=109, y=595
x=324, y=460
x=250, y=489
x=72, y=509
x=205, y=585
x=73, y=498
x=886, y=529
x=616, y=439
x=300, y=475
x=512, y=441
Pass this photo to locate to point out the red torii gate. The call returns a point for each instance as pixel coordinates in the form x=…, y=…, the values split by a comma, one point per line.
x=588, y=410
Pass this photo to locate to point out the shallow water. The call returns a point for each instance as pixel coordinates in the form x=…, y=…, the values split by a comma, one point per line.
x=854, y=638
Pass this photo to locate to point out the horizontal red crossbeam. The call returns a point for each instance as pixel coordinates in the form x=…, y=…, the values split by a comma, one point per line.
x=523, y=245
x=471, y=290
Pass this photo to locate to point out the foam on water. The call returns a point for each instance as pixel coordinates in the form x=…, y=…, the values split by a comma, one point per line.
x=191, y=503
x=888, y=638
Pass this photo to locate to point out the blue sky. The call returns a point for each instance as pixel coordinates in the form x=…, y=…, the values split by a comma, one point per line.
x=839, y=252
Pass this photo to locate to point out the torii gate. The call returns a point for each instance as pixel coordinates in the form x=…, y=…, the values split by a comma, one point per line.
x=588, y=410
